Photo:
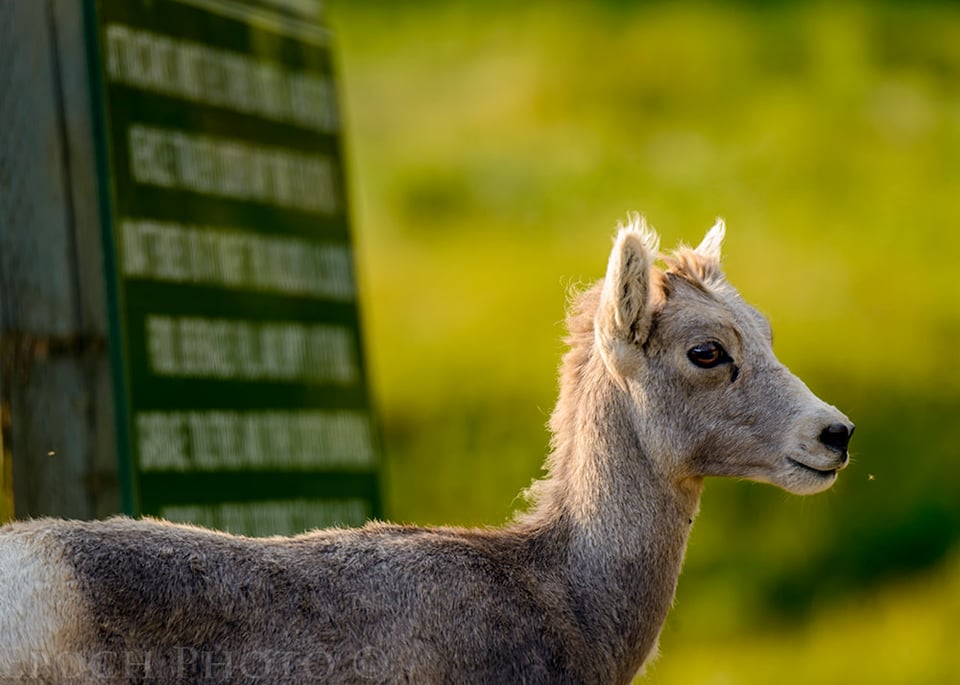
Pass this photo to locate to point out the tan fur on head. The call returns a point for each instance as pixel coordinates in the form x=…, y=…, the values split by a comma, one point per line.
x=645, y=318
x=700, y=266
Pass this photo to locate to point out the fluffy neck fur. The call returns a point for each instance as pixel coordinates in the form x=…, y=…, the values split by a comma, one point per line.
x=620, y=524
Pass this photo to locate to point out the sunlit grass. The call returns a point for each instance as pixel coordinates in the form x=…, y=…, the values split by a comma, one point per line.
x=904, y=633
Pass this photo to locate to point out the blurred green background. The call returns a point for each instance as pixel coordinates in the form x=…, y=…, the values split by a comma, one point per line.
x=494, y=146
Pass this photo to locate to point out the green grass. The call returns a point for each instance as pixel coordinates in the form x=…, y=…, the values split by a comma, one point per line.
x=493, y=148
x=904, y=634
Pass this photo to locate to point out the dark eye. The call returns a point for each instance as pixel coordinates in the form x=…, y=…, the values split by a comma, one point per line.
x=707, y=355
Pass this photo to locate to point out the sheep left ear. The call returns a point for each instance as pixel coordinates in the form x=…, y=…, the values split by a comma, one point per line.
x=624, y=313
x=711, y=243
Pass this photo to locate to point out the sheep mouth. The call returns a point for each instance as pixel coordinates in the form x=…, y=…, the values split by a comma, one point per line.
x=822, y=473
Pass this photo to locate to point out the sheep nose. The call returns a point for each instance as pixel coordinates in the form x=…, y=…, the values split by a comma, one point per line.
x=836, y=436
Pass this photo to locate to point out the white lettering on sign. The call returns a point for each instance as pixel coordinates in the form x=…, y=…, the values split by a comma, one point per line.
x=270, y=517
x=225, y=349
x=161, y=441
x=192, y=71
x=233, y=169
x=232, y=258
x=185, y=441
x=309, y=9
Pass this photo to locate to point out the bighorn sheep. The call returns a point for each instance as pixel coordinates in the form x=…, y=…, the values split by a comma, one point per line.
x=670, y=377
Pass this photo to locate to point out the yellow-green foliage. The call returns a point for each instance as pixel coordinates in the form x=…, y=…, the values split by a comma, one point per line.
x=492, y=148
x=905, y=634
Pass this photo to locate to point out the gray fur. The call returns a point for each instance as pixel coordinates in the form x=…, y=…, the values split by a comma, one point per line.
x=575, y=590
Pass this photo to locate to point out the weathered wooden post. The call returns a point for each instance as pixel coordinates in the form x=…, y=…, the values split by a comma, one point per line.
x=179, y=316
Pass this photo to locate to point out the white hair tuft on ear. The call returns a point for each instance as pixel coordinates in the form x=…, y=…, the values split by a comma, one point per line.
x=710, y=246
x=637, y=223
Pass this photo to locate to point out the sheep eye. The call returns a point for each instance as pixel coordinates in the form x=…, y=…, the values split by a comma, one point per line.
x=707, y=355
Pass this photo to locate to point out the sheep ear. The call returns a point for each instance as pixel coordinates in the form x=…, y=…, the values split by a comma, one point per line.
x=710, y=245
x=623, y=316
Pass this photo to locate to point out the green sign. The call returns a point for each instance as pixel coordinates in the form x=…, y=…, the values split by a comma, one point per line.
x=241, y=391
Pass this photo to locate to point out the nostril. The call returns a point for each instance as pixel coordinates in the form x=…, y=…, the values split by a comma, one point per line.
x=836, y=436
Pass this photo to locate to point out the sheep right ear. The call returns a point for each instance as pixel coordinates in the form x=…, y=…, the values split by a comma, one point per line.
x=623, y=316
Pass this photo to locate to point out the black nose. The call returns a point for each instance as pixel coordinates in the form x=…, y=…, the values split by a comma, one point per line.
x=836, y=436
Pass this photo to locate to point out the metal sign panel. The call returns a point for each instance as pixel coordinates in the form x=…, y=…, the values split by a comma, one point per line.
x=236, y=340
